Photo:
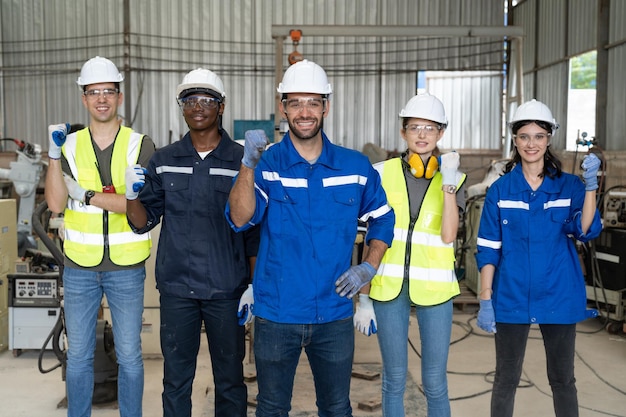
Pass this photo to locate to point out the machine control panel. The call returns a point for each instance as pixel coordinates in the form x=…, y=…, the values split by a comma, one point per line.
x=34, y=290
x=40, y=288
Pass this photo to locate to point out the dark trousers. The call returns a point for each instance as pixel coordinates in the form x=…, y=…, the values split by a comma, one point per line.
x=559, y=343
x=181, y=324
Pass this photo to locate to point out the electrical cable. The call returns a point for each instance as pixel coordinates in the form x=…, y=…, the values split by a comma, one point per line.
x=58, y=329
x=469, y=330
x=388, y=60
x=607, y=383
x=525, y=382
x=549, y=395
x=22, y=45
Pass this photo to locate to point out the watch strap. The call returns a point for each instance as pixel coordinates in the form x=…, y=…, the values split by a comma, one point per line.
x=448, y=188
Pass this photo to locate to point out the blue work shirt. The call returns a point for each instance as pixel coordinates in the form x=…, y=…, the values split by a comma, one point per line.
x=529, y=237
x=309, y=215
x=199, y=256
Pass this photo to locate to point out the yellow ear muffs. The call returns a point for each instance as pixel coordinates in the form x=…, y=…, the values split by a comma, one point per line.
x=419, y=170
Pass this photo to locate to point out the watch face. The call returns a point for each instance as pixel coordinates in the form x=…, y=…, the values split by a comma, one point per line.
x=88, y=195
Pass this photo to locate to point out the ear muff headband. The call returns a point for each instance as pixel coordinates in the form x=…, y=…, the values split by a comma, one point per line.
x=419, y=170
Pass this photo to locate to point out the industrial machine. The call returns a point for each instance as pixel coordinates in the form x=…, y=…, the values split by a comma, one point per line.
x=471, y=220
x=25, y=174
x=8, y=255
x=34, y=308
x=473, y=211
x=615, y=209
x=606, y=279
x=38, y=321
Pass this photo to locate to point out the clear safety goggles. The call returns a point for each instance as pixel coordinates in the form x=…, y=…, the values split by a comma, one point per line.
x=428, y=130
x=206, y=103
x=538, y=138
x=296, y=105
x=107, y=92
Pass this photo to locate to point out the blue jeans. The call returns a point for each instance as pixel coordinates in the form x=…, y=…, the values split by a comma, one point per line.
x=181, y=325
x=559, y=343
x=329, y=348
x=83, y=291
x=435, y=327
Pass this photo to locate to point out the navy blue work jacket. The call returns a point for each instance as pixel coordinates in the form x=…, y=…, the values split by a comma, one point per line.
x=199, y=255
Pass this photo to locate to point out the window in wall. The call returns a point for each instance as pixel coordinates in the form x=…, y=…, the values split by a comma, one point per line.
x=581, y=108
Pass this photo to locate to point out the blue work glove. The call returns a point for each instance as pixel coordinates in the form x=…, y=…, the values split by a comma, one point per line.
x=449, y=168
x=75, y=191
x=57, y=135
x=246, y=306
x=364, y=316
x=255, y=144
x=486, y=317
x=590, y=165
x=351, y=281
x=135, y=180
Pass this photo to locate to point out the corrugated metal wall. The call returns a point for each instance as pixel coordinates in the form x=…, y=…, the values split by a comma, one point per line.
x=45, y=42
x=550, y=40
x=474, y=116
x=616, y=111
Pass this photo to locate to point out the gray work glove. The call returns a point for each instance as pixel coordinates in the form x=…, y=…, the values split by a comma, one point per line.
x=246, y=306
x=75, y=191
x=450, y=168
x=486, y=317
x=364, y=317
x=135, y=178
x=255, y=144
x=351, y=281
x=590, y=165
x=57, y=135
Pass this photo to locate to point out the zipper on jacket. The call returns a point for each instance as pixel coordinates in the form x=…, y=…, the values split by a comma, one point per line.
x=105, y=213
x=407, y=249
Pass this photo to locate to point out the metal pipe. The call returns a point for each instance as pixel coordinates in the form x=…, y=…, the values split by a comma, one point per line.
x=397, y=30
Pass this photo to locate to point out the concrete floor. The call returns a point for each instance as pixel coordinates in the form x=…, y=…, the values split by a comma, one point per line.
x=600, y=372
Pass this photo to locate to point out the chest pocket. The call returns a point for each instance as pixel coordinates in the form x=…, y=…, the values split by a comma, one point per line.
x=176, y=188
x=347, y=202
x=515, y=226
x=559, y=215
x=175, y=182
x=223, y=184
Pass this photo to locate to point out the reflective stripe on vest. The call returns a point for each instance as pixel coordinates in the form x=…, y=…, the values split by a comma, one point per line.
x=430, y=268
x=84, y=225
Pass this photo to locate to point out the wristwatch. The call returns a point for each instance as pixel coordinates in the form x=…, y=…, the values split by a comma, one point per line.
x=88, y=195
x=448, y=188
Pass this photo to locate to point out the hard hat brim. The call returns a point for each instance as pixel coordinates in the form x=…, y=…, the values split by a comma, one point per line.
x=197, y=88
x=200, y=90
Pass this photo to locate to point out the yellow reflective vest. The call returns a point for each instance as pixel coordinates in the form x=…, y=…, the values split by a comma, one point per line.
x=86, y=226
x=417, y=252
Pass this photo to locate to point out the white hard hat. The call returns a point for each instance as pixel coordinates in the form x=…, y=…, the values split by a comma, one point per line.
x=305, y=77
x=99, y=70
x=425, y=106
x=202, y=81
x=534, y=110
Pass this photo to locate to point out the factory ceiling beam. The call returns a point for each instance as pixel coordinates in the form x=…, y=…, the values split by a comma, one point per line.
x=513, y=33
x=395, y=30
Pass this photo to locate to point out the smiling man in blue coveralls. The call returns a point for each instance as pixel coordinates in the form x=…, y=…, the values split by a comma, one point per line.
x=308, y=196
